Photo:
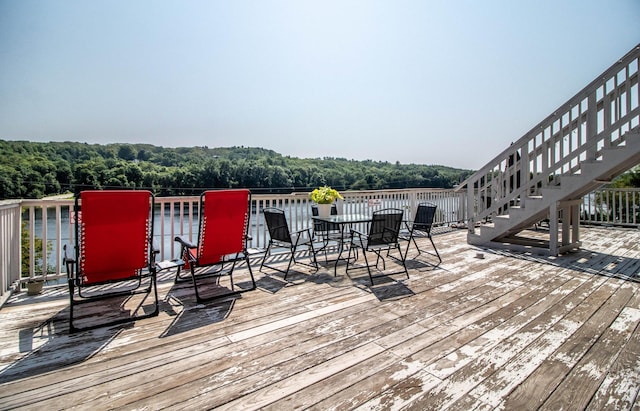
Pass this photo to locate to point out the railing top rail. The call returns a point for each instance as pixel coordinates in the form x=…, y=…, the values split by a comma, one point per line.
x=364, y=193
x=8, y=204
x=164, y=199
x=45, y=201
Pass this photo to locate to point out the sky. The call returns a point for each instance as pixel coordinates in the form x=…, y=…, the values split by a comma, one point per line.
x=436, y=82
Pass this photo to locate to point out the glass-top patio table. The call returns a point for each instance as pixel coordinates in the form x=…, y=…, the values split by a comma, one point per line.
x=344, y=221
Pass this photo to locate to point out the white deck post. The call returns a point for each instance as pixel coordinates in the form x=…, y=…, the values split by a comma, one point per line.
x=553, y=228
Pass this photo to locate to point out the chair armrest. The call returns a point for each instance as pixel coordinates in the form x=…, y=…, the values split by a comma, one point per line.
x=185, y=250
x=184, y=243
x=154, y=249
x=298, y=235
x=407, y=233
x=308, y=230
x=65, y=258
x=166, y=264
x=69, y=263
x=358, y=238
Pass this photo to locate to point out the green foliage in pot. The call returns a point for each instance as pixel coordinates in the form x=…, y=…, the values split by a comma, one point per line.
x=325, y=195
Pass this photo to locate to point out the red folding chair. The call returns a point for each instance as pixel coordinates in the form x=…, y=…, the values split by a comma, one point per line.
x=222, y=240
x=113, y=251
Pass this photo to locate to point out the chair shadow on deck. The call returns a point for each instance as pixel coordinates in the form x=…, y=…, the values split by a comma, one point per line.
x=280, y=277
x=181, y=304
x=387, y=285
x=384, y=289
x=187, y=318
x=418, y=264
x=273, y=283
x=42, y=342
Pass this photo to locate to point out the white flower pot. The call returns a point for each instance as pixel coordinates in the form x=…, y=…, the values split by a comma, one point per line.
x=324, y=210
x=34, y=287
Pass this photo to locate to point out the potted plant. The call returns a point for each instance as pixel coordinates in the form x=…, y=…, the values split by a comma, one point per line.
x=324, y=197
x=34, y=286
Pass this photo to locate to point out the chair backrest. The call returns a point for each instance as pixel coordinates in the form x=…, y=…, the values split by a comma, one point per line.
x=113, y=234
x=385, y=226
x=277, y=224
x=322, y=226
x=224, y=221
x=425, y=215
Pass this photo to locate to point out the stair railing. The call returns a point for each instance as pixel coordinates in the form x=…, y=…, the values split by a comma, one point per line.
x=598, y=117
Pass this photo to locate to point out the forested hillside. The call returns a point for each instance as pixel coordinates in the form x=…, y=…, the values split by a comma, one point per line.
x=34, y=170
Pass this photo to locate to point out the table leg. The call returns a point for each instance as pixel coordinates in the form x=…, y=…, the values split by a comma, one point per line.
x=340, y=250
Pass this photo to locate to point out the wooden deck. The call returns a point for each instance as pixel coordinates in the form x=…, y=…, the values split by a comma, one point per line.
x=508, y=331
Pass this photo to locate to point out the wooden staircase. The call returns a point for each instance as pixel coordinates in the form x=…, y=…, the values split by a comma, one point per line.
x=543, y=176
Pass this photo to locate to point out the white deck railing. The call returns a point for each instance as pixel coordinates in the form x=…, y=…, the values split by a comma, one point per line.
x=620, y=207
x=596, y=118
x=180, y=216
x=9, y=246
x=48, y=226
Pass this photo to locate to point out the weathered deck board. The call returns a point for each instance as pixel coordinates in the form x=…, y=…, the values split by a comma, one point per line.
x=510, y=331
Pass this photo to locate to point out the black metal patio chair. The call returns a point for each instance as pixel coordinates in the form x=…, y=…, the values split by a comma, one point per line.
x=282, y=237
x=382, y=237
x=421, y=227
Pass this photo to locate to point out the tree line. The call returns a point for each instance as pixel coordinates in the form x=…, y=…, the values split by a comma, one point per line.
x=34, y=170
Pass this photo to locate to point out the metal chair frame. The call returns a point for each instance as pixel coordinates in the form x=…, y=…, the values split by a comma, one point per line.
x=92, y=284
x=282, y=237
x=383, y=236
x=218, y=210
x=421, y=226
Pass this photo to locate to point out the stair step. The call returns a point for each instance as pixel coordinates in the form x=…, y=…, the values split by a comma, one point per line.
x=534, y=202
x=593, y=174
x=501, y=222
x=550, y=192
